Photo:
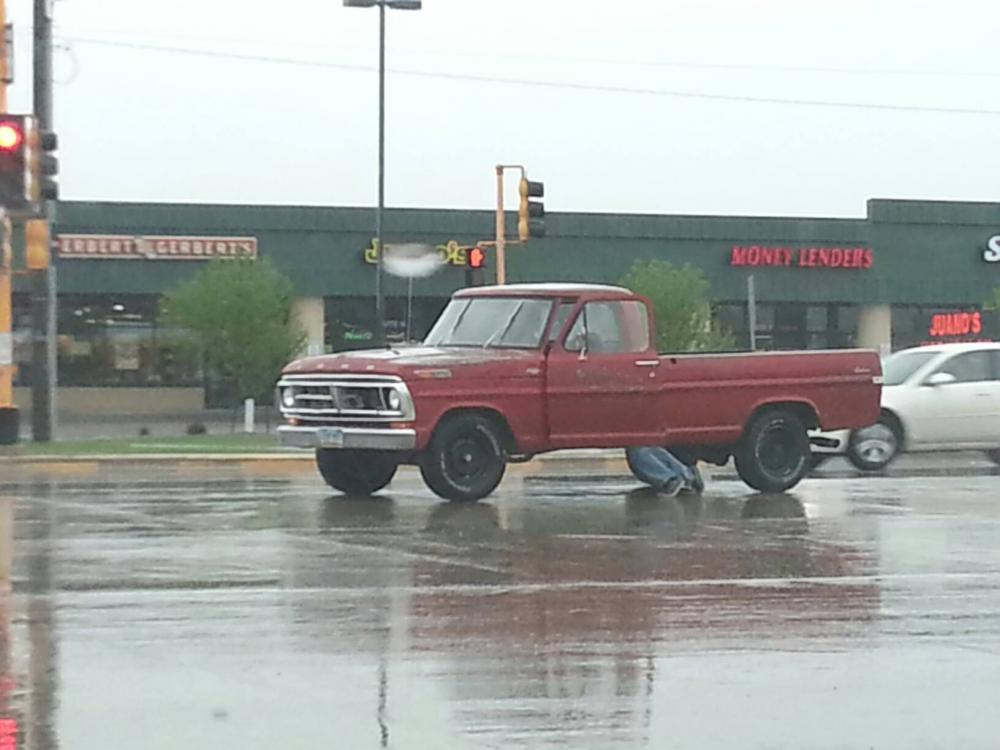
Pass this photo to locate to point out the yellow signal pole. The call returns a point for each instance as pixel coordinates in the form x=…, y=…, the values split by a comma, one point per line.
x=7, y=409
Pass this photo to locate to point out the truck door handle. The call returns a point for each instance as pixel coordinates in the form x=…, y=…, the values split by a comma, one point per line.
x=647, y=363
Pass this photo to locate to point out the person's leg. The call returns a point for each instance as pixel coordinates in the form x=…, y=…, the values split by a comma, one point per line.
x=657, y=467
x=677, y=466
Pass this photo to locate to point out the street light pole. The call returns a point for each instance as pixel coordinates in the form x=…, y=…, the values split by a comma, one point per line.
x=379, y=247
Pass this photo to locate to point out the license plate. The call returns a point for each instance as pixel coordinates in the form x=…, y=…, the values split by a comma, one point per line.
x=330, y=437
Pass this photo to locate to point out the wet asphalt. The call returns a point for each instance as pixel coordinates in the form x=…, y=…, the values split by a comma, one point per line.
x=155, y=612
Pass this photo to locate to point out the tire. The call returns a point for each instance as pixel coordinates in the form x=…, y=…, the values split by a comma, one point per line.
x=874, y=448
x=994, y=456
x=774, y=454
x=355, y=472
x=465, y=459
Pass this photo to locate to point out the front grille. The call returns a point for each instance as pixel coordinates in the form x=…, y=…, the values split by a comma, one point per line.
x=342, y=398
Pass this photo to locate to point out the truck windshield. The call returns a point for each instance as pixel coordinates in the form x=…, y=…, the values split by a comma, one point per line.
x=502, y=322
x=898, y=367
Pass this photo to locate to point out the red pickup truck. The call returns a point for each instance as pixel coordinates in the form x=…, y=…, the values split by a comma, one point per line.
x=513, y=371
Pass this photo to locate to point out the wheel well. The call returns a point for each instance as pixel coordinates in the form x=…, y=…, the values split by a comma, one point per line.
x=892, y=419
x=499, y=421
x=802, y=410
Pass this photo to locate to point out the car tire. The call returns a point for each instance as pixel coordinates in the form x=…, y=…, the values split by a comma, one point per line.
x=994, y=455
x=354, y=472
x=774, y=454
x=874, y=448
x=465, y=459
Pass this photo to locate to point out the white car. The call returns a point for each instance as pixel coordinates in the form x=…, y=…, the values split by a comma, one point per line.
x=944, y=397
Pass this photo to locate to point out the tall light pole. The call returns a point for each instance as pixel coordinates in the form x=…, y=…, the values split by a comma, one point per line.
x=379, y=249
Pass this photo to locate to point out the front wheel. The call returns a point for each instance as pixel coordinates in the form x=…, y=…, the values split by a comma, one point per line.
x=873, y=448
x=465, y=459
x=774, y=454
x=356, y=473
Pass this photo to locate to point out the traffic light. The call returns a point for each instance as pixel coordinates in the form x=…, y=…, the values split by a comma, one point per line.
x=37, y=249
x=531, y=213
x=43, y=166
x=27, y=166
x=14, y=182
x=475, y=266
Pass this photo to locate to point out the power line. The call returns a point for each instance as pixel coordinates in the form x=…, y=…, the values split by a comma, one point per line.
x=563, y=85
x=681, y=64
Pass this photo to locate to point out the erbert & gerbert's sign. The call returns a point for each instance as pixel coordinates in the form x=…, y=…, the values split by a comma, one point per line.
x=131, y=247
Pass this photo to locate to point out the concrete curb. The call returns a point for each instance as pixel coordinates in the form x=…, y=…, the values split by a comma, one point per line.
x=266, y=464
x=610, y=465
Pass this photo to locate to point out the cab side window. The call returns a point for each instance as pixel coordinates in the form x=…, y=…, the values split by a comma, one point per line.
x=971, y=367
x=610, y=328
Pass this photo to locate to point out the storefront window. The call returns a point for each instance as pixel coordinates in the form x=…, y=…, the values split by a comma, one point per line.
x=913, y=325
x=21, y=319
x=113, y=340
x=790, y=325
x=350, y=321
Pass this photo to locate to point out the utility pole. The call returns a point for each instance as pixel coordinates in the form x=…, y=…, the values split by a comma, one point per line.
x=43, y=280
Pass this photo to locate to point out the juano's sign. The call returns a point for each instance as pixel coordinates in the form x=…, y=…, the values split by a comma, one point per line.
x=132, y=247
x=956, y=324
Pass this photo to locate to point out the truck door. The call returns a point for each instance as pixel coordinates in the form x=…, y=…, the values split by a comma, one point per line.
x=602, y=379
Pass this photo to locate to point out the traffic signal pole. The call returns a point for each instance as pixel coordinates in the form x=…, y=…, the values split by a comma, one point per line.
x=531, y=214
x=501, y=230
x=43, y=292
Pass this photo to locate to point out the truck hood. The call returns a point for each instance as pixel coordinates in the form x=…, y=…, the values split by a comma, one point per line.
x=404, y=360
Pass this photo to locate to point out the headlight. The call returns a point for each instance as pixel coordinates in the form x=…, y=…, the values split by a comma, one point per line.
x=288, y=397
x=394, y=401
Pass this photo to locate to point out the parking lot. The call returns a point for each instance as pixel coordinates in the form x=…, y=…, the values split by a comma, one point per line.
x=260, y=612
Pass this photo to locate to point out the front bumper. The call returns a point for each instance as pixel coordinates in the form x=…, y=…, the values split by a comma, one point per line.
x=351, y=438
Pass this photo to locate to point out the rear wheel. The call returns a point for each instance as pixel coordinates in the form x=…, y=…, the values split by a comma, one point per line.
x=356, y=473
x=465, y=459
x=774, y=454
x=874, y=448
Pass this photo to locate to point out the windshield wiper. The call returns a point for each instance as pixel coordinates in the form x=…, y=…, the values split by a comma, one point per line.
x=446, y=341
x=506, y=327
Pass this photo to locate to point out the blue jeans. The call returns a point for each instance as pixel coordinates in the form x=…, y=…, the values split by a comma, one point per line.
x=657, y=466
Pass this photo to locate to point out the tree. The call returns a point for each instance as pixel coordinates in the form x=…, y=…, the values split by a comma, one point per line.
x=236, y=317
x=680, y=302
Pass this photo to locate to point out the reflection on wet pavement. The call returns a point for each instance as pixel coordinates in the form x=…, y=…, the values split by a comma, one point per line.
x=260, y=613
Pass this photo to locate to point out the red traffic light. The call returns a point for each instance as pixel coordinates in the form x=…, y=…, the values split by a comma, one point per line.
x=11, y=136
x=477, y=257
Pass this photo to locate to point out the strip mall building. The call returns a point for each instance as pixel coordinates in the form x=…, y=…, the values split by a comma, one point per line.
x=907, y=273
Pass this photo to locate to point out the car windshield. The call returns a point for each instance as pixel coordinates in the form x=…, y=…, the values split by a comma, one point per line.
x=898, y=367
x=502, y=322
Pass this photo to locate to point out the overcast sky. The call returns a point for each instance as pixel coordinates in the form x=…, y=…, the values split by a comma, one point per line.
x=140, y=119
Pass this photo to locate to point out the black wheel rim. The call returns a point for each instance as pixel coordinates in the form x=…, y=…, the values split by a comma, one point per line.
x=778, y=450
x=468, y=457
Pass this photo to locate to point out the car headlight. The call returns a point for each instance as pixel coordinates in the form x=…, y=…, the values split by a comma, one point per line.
x=288, y=397
x=393, y=401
